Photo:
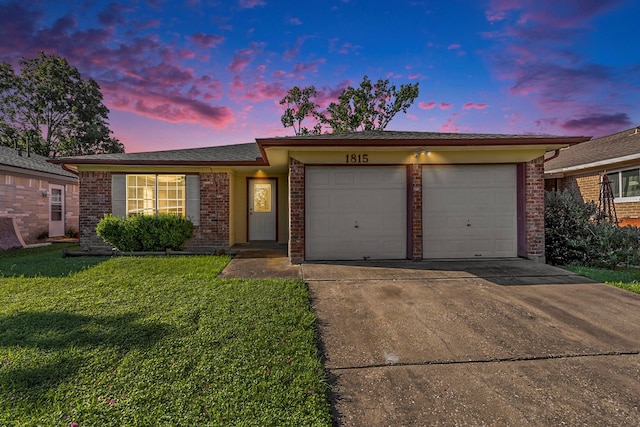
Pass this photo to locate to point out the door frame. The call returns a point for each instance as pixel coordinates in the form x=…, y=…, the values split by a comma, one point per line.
x=63, y=207
x=250, y=180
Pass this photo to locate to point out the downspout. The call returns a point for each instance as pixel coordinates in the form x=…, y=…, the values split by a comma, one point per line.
x=556, y=153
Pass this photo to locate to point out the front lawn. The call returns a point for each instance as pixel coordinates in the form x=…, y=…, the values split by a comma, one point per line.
x=44, y=261
x=625, y=278
x=158, y=341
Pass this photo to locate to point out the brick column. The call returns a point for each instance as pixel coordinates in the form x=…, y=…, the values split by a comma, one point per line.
x=213, y=231
x=415, y=193
x=95, y=202
x=296, y=211
x=534, y=219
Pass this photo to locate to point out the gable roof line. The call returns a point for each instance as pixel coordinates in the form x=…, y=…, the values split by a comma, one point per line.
x=591, y=165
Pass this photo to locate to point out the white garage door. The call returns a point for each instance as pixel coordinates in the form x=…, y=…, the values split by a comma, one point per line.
x=355, y=213
x=469, y=211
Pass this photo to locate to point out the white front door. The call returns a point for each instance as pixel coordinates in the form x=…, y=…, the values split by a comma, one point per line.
x=262, y=209
x=56, y=210
x=469, y=211
x=355, y=213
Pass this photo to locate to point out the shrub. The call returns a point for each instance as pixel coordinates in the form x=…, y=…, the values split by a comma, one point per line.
x=145, y=232
x=573, y=236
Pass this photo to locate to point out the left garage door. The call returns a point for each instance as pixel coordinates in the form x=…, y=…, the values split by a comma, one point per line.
x=355, y=213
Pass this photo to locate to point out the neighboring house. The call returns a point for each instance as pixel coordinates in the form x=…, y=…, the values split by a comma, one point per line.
x=41, y=197
x=364, y=195
x=582, y=166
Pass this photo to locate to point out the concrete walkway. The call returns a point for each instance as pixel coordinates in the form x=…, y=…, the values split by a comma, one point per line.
x=260, y=260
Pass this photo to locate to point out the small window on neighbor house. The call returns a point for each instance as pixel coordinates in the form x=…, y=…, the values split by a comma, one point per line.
x=630, y=183
x=625, y=183
x=156, y=194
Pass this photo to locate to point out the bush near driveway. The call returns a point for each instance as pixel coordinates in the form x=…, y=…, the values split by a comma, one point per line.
x=158, y=341
x=573, y=234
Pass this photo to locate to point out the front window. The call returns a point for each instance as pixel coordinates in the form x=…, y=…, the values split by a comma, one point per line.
x=625, y=184
x=155, y=194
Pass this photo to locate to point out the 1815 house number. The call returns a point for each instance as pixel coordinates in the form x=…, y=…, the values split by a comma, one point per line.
x=357, y=158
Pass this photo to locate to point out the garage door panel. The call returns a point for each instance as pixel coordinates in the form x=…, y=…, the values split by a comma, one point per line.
x=371, y=198
x=469, y=211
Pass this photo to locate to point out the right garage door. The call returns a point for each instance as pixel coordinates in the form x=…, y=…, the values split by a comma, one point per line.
x=469, y=211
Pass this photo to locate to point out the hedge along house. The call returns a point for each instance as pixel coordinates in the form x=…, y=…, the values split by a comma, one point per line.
x=364, y=195
x=42, y=198
x=582, y=167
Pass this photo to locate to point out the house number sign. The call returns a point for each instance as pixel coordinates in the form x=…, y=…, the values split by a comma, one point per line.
x=357, y=158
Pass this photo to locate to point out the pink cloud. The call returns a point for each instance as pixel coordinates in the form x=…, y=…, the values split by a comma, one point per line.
x=256, y=91
x=206, y=40
x=241, y=59
x=445, y=105
x=453, y=46
x=471, y=105
x=295, y=21
x=309, y=66
x=173, y=108
x=426, y=105
x=449, y=127
x=249, y=4
x=345, y=48
x=601, y=123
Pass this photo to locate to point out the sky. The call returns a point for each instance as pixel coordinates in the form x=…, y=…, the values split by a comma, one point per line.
x=194, y=73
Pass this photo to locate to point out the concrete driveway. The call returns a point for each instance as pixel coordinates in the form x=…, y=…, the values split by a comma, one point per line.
x=507, y=342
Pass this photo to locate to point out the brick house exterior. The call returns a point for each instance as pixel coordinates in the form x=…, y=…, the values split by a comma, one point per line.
x=582, y=166
x=341, y=173
x=26, y=180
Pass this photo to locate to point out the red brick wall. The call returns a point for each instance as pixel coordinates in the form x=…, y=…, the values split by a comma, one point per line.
x=415, y=183
x=95, y=202
x=296, y=211
x=213, y=232
x=534, y=204
x=72, y=207
x=21, y=198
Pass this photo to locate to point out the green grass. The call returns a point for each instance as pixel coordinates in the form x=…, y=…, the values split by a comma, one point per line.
x=44, y=261
x=624, y=278
x=158, y=341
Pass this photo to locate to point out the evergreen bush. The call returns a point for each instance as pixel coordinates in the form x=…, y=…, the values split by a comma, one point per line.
x=145, y=232
x=574, y=236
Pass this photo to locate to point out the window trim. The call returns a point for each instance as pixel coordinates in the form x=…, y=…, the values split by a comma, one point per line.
x=155, y=199
x=623, y=199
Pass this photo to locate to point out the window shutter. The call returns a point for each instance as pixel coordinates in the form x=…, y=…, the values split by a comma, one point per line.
x=119, y=195
x=193, y=199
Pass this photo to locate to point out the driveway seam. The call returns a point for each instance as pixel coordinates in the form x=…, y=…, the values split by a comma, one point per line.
x=489, y=360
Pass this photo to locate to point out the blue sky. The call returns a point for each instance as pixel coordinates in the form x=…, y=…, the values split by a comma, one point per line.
x=192, y=73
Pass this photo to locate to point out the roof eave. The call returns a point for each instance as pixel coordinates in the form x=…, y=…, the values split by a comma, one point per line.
x=131, y=162
x=593, y=165
x=418, y=142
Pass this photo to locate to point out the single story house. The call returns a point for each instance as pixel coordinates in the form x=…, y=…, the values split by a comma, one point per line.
x=355, y=196
x=42, y=198
x=582, y=166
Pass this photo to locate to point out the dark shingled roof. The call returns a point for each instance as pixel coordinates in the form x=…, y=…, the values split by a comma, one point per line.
x=609, y=147
x=407, y=135
x=33, y=162
x=250, y=153
x=219, y=154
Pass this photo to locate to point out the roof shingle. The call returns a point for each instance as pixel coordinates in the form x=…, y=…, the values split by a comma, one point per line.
x=32, y=162
x=609, y=147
